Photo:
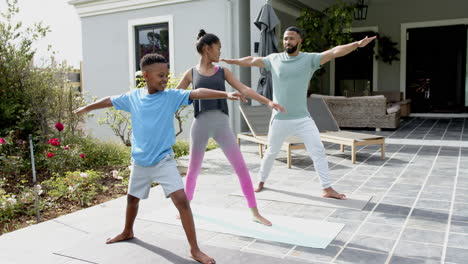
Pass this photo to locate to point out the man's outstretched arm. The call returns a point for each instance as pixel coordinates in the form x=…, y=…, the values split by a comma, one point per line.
x=249, y=61
x=343, y=50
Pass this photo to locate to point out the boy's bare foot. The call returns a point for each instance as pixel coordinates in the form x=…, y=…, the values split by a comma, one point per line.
x=331, y=193
x=201, y=257
x=262, y=220
x=120, y=237
x=260, y=187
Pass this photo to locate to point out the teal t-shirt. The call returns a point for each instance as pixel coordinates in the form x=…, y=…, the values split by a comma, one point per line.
x=152, y=121
x=291, y=76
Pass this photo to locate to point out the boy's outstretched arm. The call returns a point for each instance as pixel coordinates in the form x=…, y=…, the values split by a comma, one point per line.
x=102, y=103
x=205, y=93
x=249, y=61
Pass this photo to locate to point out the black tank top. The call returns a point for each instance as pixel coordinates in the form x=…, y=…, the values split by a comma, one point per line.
x=215, y=82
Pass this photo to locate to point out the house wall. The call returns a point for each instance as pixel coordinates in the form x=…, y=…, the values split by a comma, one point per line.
x=388, y=15
x=105, y=40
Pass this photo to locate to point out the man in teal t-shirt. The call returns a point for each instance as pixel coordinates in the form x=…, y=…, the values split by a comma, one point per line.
x=291, y=72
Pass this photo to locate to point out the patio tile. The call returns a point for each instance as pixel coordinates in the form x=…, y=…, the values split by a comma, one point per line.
x=418, y=250
x=402, y=260
x=349, y=214
x=427, y=223
x=458, y=240
x=274, y=248
x=378, y=230
x=404, y=190
x=459, y=227
x=388, y=219
x=349, y=255
x=441, y=181
x=438, y=189
x=306, y=253
x=393, y=209
x=402, y=201
x=460, y=212
x=430, y=213
x=375, y=244
x=313, y=212
x=229, y=241
x=433, y=204
x=435, y=196
x=341, y=238
x=456, y=255
x=350, y=226
x=423, y=236
x=376, y=182
x=419, y=179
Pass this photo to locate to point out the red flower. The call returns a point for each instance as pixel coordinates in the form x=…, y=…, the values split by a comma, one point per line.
x=59, y=126
x=2, y=141
x=66, y=147
x=53, y=142
x=82, y=155
x=50, y=155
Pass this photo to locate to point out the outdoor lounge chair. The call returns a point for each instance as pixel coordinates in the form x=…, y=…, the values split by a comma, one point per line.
x=258, y=118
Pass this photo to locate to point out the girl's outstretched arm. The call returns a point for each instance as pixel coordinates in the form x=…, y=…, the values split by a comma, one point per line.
x=186, y=80
x=250, y=93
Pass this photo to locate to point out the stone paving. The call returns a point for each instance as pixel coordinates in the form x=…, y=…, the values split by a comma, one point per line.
x=418, y=213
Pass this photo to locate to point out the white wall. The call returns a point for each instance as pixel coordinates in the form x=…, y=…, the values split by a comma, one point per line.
x=105, y=45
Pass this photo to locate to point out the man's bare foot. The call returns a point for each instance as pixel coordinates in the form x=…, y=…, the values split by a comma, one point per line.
x=262, y=220
x=260, y=187
x=120, y=237
x=331, y=193
x=201, y=257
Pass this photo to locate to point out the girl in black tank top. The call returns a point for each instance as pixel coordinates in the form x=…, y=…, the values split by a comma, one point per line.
x=211, y=118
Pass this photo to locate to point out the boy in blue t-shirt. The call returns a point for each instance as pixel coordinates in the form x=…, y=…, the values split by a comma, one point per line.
x=152, y=112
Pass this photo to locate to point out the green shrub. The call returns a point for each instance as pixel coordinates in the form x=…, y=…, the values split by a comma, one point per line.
x=12, y=205
x=81, y=187
x=99, y=153
x=182, y=148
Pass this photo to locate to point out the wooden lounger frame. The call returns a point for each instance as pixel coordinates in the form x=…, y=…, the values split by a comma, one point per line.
x=343, y=138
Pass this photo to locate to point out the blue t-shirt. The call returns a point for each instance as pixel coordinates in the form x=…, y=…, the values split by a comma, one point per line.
x=152, y=118
x=291, y=76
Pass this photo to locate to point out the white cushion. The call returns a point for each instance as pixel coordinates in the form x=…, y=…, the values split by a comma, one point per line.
x=393, y=109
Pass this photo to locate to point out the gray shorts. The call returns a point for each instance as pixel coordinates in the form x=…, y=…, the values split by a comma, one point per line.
x=164, y=172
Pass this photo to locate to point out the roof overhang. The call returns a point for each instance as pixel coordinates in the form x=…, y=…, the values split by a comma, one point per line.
x=86, y=8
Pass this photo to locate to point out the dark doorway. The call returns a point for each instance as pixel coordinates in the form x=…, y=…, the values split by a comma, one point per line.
x=435, y=69
x=354, y=72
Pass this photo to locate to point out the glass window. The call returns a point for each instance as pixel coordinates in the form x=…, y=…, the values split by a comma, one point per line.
x=151, y=39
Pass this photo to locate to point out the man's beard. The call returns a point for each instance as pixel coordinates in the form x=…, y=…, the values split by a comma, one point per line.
x=291, y=49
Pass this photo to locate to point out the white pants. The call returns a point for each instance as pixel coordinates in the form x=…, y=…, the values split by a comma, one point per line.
x=306, y=130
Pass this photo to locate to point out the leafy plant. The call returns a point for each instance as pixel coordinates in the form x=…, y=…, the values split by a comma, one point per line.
x=387, y=50
x=325, y=30
x=78, y=186
x=33, y=99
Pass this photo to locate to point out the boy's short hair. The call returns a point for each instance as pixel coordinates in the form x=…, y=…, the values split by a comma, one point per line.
x=151, y=58
x=295, y=29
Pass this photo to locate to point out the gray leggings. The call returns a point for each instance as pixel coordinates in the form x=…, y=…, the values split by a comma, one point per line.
x=215, y=124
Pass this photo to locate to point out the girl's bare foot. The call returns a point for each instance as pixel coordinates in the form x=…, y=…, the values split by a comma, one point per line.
x=120, y=237
x=331, y=193
x=201, y=257
x=262, y=220
x=260, y=187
